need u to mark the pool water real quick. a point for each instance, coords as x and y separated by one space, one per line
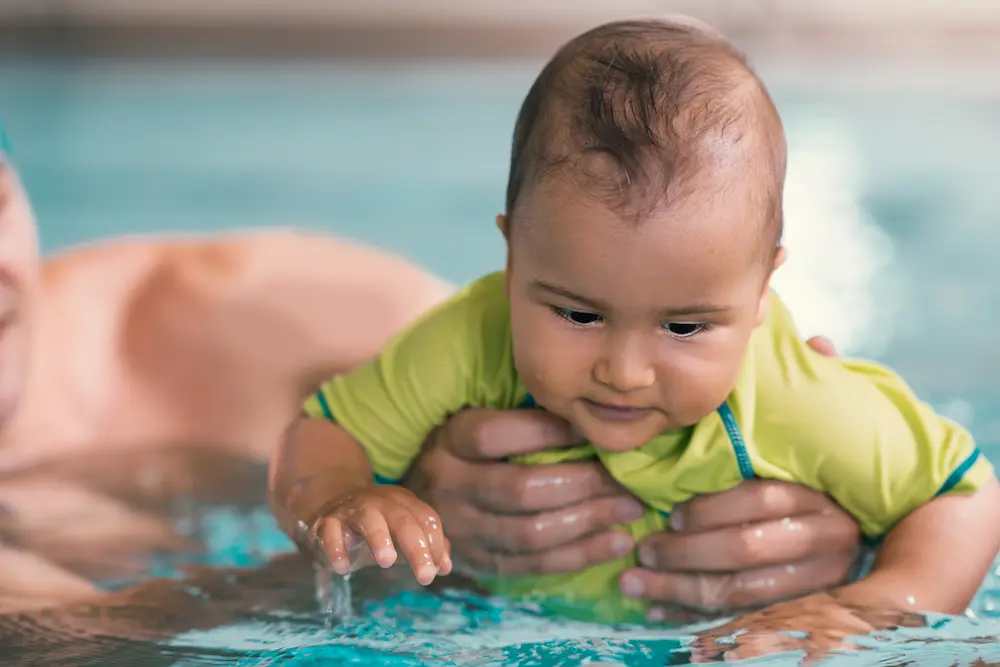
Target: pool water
891 209
252 603
244 599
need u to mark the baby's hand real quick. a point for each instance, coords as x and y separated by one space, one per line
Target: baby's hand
382 515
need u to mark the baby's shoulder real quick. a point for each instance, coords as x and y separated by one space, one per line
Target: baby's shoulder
480 308
473 326
801 395
782 361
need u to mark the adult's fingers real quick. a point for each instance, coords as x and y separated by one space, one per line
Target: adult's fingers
462 464
503 487
823 345
481 434
747 546
751 501
521 533
573 557
718 593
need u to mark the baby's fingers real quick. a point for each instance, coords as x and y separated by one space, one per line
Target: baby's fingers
331 541
414 543
370 524
438 543
445 565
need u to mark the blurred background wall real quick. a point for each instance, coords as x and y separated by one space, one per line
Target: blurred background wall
513 27
389 121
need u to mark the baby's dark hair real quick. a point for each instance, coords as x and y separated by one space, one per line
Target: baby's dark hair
638 109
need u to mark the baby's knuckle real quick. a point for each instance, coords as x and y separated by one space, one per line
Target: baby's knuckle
333 512
344 510
397 515
366 513
427 514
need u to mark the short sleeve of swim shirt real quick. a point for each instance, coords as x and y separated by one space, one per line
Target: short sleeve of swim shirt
855 430
457 355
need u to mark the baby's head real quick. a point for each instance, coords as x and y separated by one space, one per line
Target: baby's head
643 223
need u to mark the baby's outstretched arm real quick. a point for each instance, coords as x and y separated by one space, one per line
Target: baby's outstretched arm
934 559
324 496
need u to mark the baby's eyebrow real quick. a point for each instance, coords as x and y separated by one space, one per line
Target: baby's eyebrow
596 304
690 310
695 309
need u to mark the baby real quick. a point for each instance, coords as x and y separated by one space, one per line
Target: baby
643 223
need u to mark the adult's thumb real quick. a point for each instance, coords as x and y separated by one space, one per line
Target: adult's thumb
483 434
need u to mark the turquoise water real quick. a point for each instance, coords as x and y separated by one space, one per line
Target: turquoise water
892 226
265 613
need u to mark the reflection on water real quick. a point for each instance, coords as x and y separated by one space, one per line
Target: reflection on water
112 517
211 581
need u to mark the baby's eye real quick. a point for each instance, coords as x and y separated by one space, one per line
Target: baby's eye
684 329
580 318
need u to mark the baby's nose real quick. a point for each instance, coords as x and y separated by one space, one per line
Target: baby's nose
625 369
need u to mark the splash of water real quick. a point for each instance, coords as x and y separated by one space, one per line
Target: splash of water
333 593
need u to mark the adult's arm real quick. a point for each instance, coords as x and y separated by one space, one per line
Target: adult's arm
260 320
316 305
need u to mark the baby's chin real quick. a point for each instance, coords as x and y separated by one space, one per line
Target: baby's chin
616 439
606 437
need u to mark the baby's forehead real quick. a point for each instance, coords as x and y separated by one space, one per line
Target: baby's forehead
677 251
711 193
712 215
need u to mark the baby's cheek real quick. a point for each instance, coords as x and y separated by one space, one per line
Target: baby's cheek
695 387
548 366
531 362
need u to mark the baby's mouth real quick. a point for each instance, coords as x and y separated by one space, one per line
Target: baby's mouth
612 412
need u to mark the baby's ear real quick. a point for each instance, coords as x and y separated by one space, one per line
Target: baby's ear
764 306
502 224
780 256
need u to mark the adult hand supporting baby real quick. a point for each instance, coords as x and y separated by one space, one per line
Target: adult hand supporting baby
508 519
758 543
